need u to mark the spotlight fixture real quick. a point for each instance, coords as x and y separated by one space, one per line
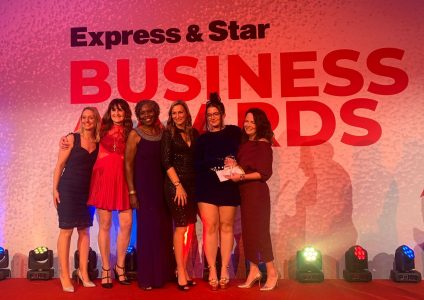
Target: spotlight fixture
404 266
92 270
4 263
40 264
131 263
309 265
356 259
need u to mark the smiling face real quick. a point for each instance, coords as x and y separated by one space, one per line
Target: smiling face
117 115
88 120
214 118
179 116
250 126
147 115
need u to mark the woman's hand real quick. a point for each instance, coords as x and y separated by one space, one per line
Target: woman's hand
234 177
64 144
134 201
56 199
180 195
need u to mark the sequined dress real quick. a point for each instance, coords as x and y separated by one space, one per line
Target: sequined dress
176 153
108 188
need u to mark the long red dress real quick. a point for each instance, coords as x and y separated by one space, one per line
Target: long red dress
255 207
108 187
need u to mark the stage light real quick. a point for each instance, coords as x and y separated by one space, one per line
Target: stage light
40 264
92 270
131 263
309 265
4 263
356 259
404 266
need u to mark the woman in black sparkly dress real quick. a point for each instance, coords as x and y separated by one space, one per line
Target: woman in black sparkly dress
177 158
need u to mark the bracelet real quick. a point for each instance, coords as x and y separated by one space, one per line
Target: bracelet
132 192
241 177
176 183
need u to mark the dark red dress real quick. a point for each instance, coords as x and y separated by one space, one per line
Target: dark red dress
255 207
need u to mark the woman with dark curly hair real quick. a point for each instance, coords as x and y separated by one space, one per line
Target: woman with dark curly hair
145 179
255 158
108 189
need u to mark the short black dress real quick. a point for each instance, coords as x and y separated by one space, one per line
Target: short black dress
210 152
73 187
176 153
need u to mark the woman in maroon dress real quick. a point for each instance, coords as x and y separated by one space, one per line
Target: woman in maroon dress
255 158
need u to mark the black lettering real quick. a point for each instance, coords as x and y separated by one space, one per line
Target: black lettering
141 37
173 35
112 38
76 35
233 30
221 33
125 35
96 38
157 36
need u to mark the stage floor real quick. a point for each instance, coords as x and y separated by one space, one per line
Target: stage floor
287 289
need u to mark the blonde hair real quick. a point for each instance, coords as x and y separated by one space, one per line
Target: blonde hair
98 121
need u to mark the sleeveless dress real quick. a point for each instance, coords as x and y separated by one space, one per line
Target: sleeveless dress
255 207
108 189
211 150
73 187
176 153
155 259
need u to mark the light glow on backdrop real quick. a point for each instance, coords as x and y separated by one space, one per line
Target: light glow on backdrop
344 81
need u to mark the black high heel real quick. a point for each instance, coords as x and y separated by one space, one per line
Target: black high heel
125 281
182 287
107 284
191 283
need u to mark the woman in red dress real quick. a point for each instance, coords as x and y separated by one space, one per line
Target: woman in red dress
255 158
108 189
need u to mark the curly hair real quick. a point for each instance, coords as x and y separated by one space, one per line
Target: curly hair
263 126
107 119
188 126
140 104
215 101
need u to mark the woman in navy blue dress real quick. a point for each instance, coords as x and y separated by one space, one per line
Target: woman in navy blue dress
71 183
217 201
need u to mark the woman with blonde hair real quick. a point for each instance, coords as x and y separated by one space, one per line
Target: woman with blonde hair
71 182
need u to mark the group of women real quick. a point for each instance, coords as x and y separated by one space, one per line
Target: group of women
169 175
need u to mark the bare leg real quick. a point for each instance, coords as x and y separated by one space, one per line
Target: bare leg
125 222
105 220
83 247
63 244
226 229
210 219
179 254
189 233
272 275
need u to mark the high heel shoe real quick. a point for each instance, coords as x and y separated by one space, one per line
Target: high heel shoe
213 282
88 283
125 281
191 283
108 284
223 281
67 289
267 288
248 285
183 287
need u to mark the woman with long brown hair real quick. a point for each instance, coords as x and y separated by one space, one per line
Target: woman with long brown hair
109 191
178 143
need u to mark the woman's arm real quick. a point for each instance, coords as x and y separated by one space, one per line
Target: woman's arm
130 151
60 165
